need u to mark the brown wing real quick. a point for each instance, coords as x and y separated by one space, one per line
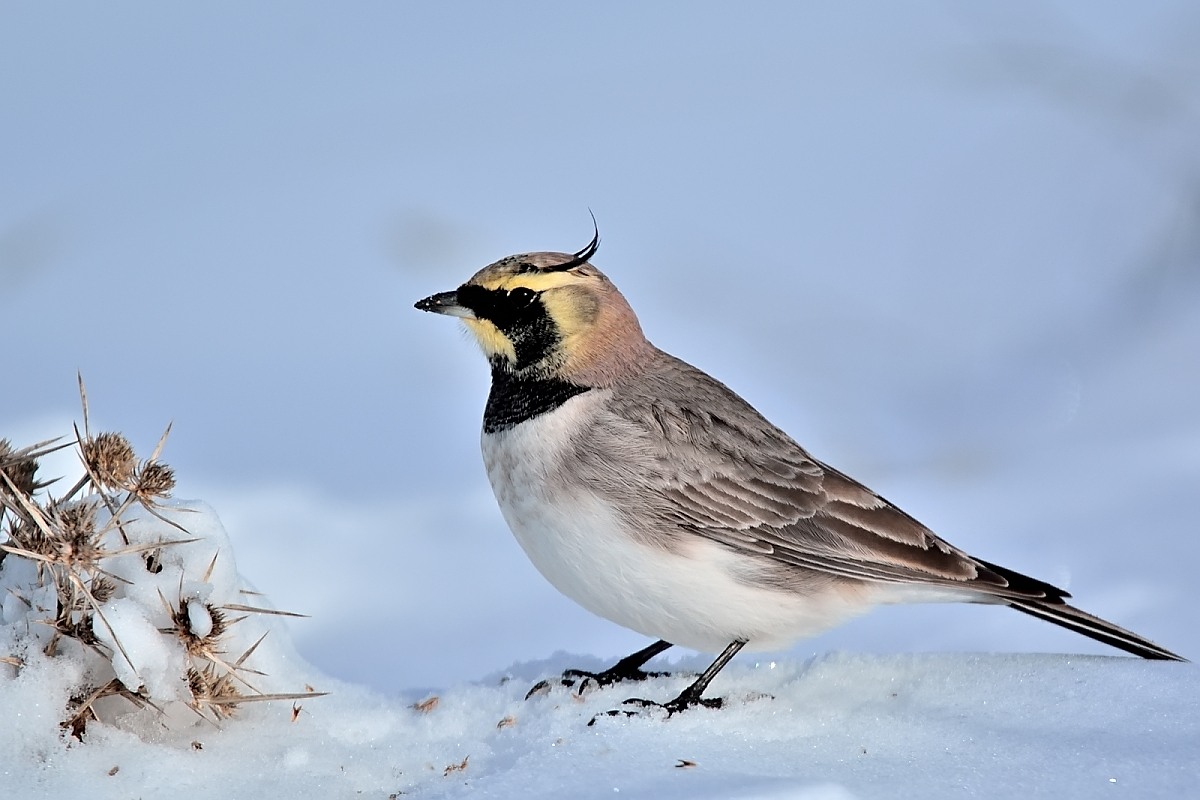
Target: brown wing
718 469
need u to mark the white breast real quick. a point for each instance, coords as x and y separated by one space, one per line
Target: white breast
687 596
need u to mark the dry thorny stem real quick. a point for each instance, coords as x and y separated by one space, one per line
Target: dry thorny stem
67 544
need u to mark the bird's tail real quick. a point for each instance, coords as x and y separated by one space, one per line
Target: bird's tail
1044 601
1070 617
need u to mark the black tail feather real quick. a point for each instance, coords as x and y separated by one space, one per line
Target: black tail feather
1072 618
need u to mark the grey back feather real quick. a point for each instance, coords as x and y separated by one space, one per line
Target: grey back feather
705 463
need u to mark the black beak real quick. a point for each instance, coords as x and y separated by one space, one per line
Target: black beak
445 303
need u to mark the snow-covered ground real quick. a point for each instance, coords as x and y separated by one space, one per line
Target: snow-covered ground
838 726
952 248
832 726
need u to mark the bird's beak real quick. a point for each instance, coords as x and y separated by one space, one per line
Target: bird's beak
445 303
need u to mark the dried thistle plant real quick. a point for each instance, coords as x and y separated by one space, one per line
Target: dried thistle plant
74 542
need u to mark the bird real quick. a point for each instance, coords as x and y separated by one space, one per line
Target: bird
654 496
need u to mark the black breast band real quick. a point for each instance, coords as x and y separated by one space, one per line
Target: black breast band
514 400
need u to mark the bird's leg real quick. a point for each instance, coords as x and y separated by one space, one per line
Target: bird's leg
692 695
628 668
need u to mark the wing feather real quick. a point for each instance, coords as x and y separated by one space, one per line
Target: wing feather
717 469
681 450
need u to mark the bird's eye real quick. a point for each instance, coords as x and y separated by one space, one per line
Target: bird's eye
522 295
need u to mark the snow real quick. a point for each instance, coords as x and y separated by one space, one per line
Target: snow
141 658
199 618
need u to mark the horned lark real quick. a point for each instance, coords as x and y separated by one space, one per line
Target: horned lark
652 495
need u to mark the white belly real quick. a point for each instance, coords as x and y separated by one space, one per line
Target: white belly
688 596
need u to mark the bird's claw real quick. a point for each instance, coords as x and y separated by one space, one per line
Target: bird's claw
584 681
681 703
607 678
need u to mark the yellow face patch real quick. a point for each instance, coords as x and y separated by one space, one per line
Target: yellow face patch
491 340
511 324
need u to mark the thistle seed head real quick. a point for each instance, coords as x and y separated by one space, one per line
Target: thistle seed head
75 540
154 480
20 469
212 691
110 460
102 589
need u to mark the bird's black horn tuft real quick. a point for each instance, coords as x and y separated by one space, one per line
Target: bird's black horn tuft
582 256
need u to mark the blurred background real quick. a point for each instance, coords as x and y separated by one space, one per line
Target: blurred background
953 248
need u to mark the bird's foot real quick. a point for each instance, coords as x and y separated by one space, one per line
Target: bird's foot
628 668
598 680
584 681
688 699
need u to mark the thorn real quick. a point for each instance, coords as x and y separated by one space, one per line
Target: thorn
256 610
208 572
162 441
